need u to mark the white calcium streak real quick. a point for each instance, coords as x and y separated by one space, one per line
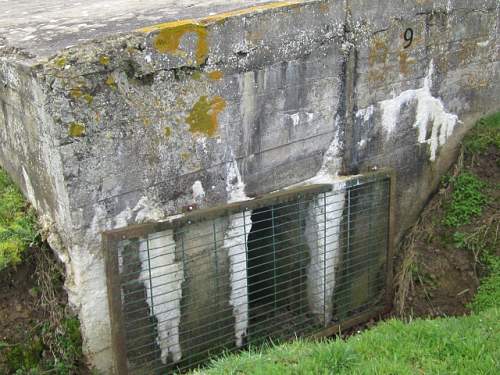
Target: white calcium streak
166 277
430 111
322 232
235 241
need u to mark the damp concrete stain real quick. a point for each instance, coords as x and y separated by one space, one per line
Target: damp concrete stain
168 39
76 129
203 116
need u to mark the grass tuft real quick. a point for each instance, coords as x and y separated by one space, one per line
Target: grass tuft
18 227
467 199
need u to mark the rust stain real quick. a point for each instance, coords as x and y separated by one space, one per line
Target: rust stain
405 62
203 117
378 52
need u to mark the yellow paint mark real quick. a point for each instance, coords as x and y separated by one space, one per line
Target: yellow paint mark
104 60
167 131
203 116
76 129
216 18
215 75
221 17
110 81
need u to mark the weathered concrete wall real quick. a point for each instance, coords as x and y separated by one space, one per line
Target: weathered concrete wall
133 127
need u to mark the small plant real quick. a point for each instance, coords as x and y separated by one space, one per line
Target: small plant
488 294
467 199
17 223
486 133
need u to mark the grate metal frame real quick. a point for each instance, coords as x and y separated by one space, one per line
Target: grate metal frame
112 239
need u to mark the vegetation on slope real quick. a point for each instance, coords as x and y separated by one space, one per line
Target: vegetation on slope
17 223
38 333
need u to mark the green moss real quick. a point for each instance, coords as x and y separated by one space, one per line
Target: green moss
17 223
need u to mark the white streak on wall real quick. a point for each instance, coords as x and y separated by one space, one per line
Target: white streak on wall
165 289
430 111
198 191
365 113
235 241
324 245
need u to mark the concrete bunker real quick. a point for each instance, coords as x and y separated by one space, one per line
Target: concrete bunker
287 264
117 116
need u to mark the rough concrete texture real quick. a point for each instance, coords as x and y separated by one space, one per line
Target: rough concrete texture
103 126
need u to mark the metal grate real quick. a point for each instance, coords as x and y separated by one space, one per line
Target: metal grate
290 264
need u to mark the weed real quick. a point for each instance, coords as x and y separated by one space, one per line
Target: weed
17 223
467 199
488 294
486 133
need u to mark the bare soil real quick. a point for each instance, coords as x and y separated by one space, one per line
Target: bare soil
443 277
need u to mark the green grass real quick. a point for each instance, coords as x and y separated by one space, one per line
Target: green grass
36 355
486 133
488 294
17 223
466 345
467 199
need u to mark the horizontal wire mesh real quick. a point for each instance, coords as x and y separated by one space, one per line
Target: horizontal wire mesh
280 271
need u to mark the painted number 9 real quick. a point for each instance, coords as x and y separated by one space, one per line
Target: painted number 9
408 37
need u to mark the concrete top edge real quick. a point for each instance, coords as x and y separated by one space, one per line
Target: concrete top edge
42 28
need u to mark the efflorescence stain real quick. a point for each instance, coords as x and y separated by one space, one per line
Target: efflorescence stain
203 117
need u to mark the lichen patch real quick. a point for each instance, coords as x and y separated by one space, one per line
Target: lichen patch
203 117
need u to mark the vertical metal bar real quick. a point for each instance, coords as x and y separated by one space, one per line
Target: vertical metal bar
348 302
216 261
299 250
246 248
274 257
324 260
150 278
349 220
